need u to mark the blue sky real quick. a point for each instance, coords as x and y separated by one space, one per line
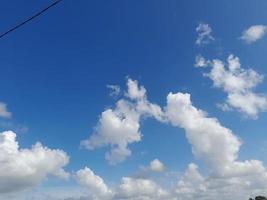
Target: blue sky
55 71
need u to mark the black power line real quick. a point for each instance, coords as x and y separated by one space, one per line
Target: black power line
29 19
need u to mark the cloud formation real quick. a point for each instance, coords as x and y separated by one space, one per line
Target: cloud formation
23 168
120 126
129 188
254 33
200 61
156 165
217 146
140 189
193 185
238 83
114 90
204 35
4 113
93 183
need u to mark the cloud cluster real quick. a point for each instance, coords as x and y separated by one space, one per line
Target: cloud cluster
238 83
129 188
204 35
120 126
193 185
214 144
254 33
23 168
211 142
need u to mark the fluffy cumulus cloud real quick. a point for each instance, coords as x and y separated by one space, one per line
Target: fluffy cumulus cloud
23 168
218 147
212 143
117 128
129 188
239 84
140 189
156 166
204 35
254 33
94 183
193 185
120 126
4 113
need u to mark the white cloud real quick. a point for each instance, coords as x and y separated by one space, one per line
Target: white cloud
193 185
156 165
129 188
114 90
204 34
22 168
254 33
216 145
239 84
119 127
140 189
142 106
249 103
134 91
212 143
3 111
95 184
200 61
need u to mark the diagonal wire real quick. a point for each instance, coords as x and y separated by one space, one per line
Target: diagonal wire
29 19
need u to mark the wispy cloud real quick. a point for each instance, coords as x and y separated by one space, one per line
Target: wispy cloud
254 33
204 34
238 83
4 113
114 90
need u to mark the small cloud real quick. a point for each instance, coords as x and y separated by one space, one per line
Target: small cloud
254 33
114 90
156 166
204 34
200 61
4 113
